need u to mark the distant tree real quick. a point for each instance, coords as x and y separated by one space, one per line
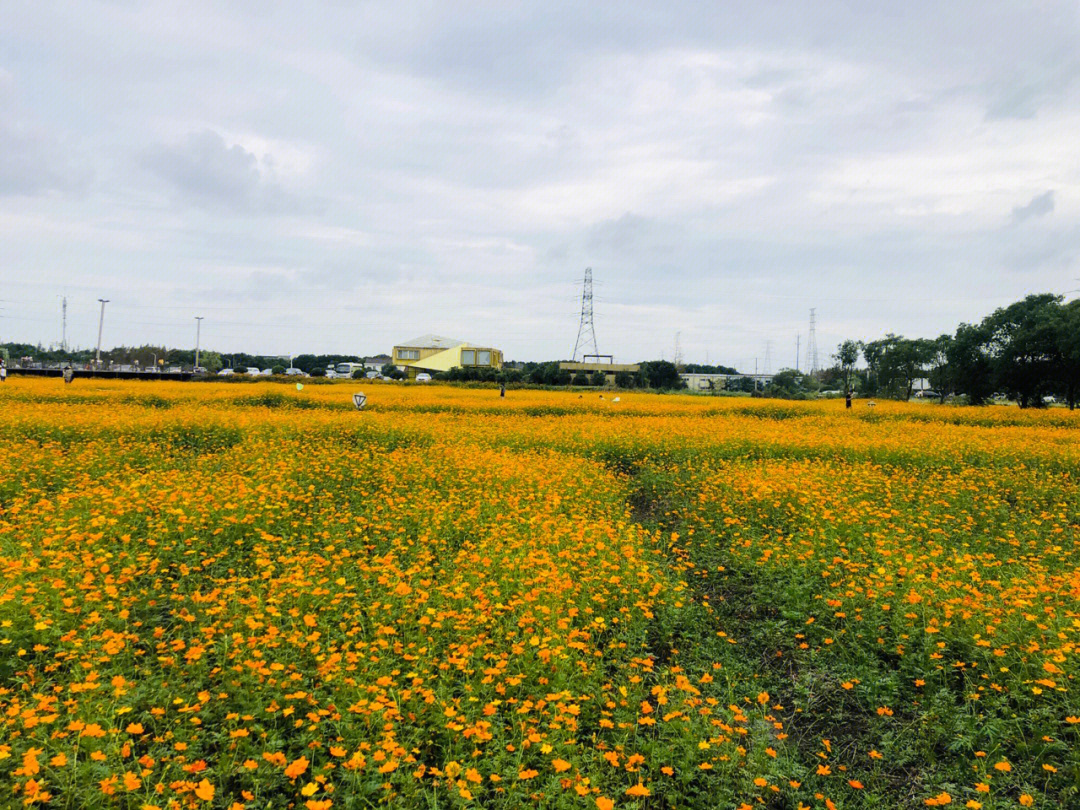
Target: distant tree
392 372
1068 329
748 385
549 374
580 378
661 375
278 369
1023 340
970 367
698 368
624 379
211 361
317 372
787 384
847 355
937 368
599 379
359 374
895 363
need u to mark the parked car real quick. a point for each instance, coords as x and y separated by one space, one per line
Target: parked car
295 372
226 372
927 394
253 372
373 375
423 376
199 370
266 372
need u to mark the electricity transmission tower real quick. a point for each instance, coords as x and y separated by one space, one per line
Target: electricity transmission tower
811 343
63 331
101 325
586 334
678 351
768 356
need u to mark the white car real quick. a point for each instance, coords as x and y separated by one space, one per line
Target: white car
294 372
266 372
423 376
253 372
226 372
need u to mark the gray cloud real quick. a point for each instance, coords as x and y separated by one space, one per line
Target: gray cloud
30 164
1039 206
1023 97
629 234
34 158
204 170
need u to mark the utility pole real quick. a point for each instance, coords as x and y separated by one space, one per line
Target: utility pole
101 324
63 330
678 351
811 343
198 329
798 342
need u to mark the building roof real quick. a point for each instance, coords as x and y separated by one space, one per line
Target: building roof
431 342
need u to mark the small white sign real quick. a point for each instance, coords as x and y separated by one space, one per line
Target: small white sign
359 400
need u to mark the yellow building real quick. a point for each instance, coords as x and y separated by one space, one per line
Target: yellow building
432 353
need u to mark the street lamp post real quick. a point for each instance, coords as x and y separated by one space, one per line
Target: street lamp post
101 324
198 329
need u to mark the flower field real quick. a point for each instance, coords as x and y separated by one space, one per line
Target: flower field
246 596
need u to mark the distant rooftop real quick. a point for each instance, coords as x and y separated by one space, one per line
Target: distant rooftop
431 342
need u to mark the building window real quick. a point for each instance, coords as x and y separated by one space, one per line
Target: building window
468 357
483 357
408 354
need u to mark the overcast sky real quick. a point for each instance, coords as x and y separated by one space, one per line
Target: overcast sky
341 176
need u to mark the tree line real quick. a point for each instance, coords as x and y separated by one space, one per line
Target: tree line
654 374
1028 351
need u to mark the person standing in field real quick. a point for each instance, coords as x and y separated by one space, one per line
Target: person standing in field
69 374
3 371
847 399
